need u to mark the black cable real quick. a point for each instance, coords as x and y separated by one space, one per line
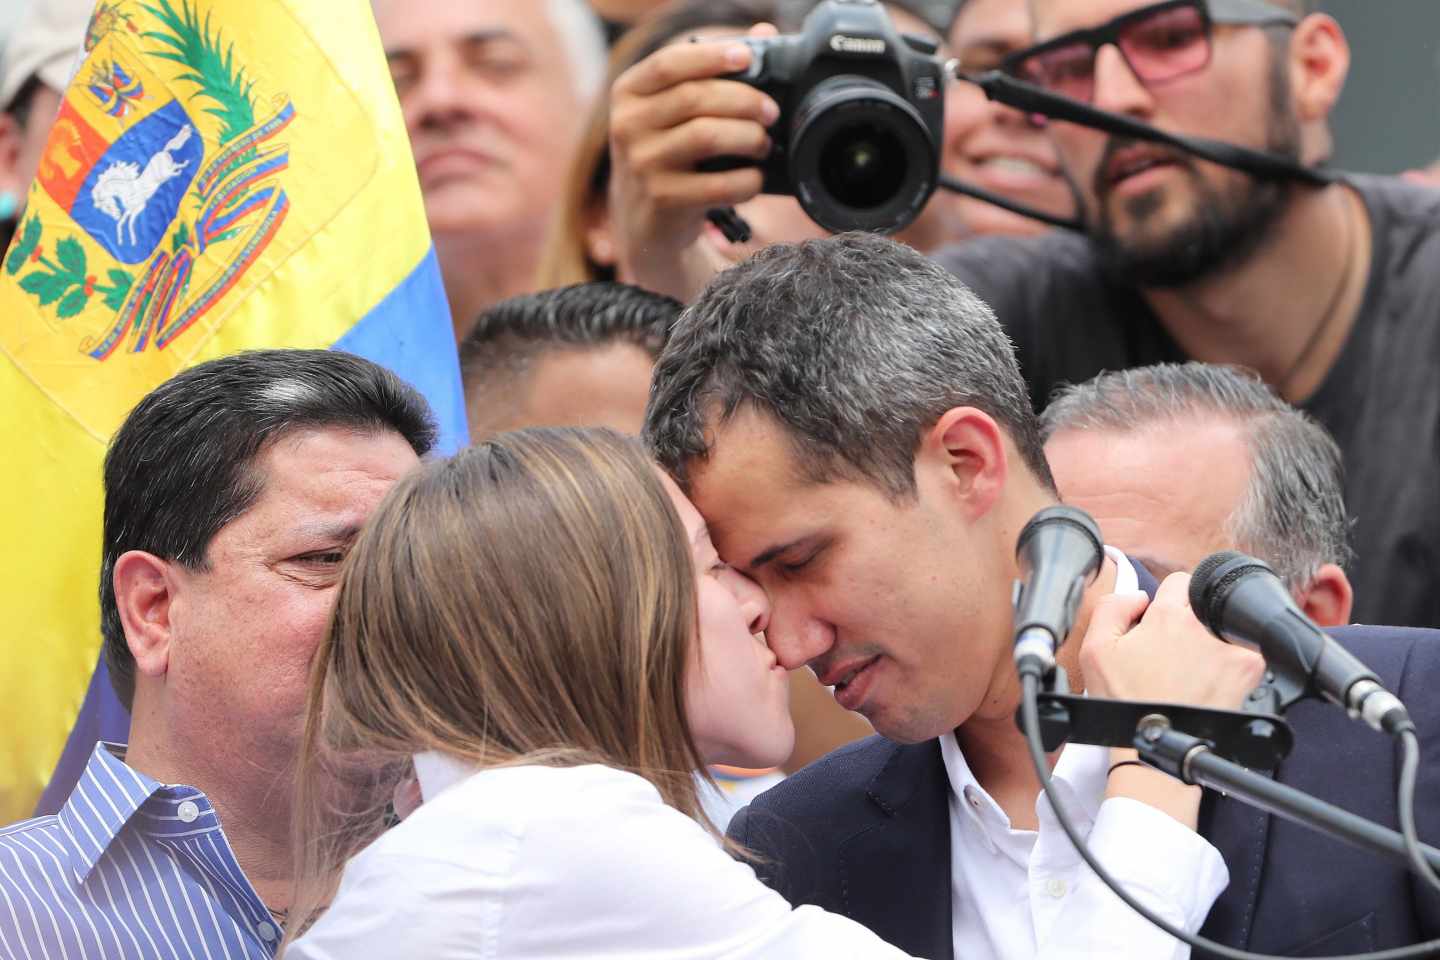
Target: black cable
1029 98
1409 772
1030 719
1005 203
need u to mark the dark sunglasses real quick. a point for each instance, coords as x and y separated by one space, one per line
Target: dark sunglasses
1159 42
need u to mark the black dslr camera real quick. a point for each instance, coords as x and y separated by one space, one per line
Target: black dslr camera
861 115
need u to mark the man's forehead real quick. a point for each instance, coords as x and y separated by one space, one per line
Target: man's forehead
410 26
746 478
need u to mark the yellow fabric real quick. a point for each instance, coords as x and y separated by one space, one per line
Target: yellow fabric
290 227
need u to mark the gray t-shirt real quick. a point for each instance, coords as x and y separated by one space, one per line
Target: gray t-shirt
1381 400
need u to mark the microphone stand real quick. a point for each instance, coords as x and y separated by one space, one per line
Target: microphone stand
1256 739
1193 761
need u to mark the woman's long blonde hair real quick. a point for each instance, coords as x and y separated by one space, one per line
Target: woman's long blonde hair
529 601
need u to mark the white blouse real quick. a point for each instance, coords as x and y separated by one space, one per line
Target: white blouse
530 862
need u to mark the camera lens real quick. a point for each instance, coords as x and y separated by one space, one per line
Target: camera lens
863 166
861 156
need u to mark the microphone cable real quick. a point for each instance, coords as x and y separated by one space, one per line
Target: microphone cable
1030 720
1409 774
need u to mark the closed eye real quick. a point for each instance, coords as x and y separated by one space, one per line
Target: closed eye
795 566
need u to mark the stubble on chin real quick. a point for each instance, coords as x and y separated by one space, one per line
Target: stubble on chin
1219 228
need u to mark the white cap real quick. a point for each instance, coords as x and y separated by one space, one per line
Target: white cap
45 43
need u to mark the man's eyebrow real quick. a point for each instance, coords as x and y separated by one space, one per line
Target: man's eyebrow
335 531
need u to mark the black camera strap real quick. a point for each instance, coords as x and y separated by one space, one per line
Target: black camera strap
1028 98
1005 203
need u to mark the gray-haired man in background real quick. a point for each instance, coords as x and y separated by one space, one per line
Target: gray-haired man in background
1176 461
495 96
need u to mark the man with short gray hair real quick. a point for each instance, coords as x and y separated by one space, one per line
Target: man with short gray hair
495 96
1176 461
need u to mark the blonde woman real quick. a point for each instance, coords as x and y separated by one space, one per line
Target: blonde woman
543 624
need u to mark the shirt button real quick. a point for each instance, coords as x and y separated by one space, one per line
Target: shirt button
1056 887
267 930
187 811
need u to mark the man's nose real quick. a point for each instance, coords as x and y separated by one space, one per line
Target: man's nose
439 96
1117 88
796 637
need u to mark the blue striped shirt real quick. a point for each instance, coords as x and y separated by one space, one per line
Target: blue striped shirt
128 868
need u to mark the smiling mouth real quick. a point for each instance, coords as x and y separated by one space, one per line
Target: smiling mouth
1021 166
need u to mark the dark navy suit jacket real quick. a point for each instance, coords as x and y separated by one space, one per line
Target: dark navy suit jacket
865 831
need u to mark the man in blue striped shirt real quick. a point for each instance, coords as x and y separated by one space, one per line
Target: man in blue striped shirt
232 493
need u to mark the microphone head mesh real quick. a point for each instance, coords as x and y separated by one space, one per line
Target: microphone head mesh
1212 580
1073 516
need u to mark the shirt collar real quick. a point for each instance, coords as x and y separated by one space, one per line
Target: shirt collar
1126 579
1081 772
438 772
112 796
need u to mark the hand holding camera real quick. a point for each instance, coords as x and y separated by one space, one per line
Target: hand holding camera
668 113
862 112
845 115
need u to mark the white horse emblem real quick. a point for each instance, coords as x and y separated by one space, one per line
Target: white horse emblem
123 189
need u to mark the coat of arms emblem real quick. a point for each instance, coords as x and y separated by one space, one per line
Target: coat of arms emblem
171 180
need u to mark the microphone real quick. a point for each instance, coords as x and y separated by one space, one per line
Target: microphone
1059 552
1240 599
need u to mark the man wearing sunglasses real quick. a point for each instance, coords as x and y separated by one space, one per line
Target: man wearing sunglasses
1327 291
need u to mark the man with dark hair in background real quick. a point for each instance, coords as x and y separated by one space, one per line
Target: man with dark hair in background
1328 292
1177 461
852 424
577 356
232 493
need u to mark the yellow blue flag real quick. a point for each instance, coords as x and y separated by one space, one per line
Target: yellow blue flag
221 176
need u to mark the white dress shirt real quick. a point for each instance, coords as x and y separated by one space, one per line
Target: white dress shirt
589 862
529 862
1014 891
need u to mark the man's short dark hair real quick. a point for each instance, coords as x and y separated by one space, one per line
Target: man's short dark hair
500 352
183 464
855 344
1293 514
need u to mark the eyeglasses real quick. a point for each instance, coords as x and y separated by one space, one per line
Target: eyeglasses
1159 42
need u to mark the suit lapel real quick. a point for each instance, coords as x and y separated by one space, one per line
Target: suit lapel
895 873
1239 831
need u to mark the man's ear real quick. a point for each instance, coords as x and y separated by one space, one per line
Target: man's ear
1328 597
967 447
1319 64
599 238
144 593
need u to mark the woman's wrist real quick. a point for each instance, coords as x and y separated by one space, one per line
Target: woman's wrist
1132 778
